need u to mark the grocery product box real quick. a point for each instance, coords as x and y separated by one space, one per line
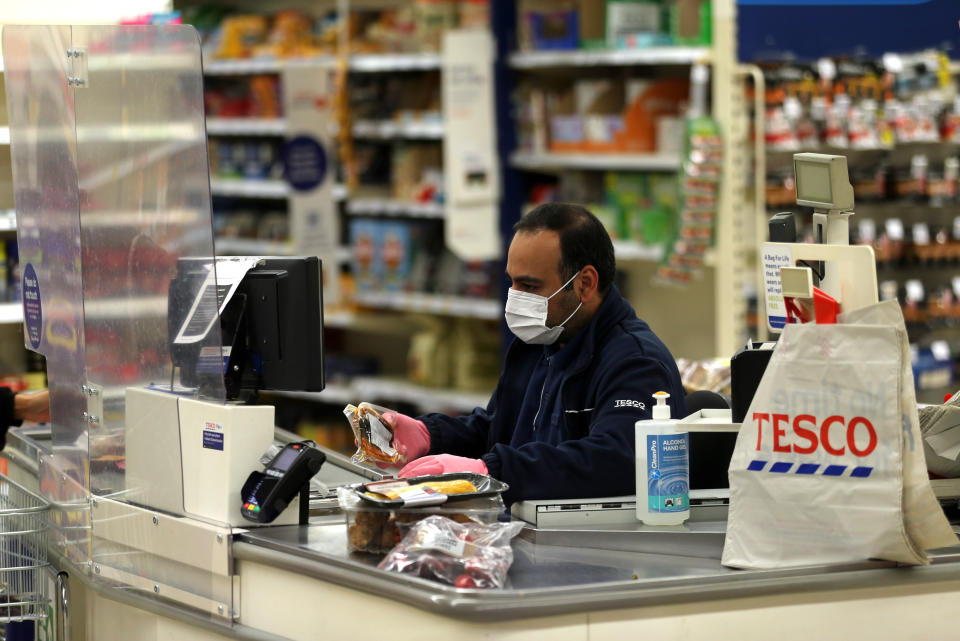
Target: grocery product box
396 251
365 253
560 24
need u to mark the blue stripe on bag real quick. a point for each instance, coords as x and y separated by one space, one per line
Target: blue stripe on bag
783 467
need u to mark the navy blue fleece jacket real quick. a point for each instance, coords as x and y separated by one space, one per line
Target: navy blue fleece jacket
560 423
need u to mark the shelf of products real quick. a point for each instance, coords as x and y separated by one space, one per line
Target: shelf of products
898 122
599 161
464 306
610 57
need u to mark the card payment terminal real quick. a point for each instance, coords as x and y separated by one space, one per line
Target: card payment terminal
266 494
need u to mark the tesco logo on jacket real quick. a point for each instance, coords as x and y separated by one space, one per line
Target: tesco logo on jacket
805 434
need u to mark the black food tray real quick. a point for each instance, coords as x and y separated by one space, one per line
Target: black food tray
486 486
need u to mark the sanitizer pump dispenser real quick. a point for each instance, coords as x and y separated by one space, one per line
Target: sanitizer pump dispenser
663 468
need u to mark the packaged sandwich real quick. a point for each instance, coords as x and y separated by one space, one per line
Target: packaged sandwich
372 432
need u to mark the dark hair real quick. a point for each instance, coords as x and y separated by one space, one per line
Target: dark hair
583 239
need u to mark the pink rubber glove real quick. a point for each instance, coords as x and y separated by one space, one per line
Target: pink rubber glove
443 464
410 436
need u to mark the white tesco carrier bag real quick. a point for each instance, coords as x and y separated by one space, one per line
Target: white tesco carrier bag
829 465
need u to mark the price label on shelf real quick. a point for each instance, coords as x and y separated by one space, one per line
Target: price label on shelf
940 350
915 293
921 234
956 286
868 231
894 227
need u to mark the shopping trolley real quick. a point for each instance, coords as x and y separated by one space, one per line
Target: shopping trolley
24 588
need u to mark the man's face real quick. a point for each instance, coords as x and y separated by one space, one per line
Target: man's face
533 264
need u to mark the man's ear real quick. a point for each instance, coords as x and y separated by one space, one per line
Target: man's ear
589 283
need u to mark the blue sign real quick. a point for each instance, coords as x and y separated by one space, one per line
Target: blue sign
32 307
805 30
304 163
213 440
783 3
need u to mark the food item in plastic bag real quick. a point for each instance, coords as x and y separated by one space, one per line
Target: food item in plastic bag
463 555
373 434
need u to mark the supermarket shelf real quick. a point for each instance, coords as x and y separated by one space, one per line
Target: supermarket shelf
261 188
624 250
389 207
395 62
364 64
376 388
627 162
251 247
256 247
338 320
8 220
262 65
11 313
120 219
432 304
4 135
249 187
119 308
607 58
386 129
246 126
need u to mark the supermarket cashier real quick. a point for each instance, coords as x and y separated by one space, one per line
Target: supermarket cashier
579 374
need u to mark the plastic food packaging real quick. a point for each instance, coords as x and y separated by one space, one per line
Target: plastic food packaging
375 529
462 555
373 434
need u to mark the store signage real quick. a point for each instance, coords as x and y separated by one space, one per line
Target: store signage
470 164
773 260
313 215
32 307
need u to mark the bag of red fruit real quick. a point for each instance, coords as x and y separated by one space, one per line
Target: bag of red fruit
465 555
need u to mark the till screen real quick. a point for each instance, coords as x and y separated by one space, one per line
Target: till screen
813 183
286 457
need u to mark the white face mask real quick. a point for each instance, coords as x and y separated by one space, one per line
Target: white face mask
527 316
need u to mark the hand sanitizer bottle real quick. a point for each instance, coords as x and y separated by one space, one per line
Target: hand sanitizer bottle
663 469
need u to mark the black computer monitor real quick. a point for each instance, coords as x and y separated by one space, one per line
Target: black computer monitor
271 329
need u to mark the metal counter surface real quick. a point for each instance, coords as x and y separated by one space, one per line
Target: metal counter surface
576 570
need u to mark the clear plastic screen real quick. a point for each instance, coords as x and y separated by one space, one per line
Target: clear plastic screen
41 108
144 206
112 194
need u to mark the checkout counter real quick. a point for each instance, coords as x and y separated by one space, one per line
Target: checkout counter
575 582
112 193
